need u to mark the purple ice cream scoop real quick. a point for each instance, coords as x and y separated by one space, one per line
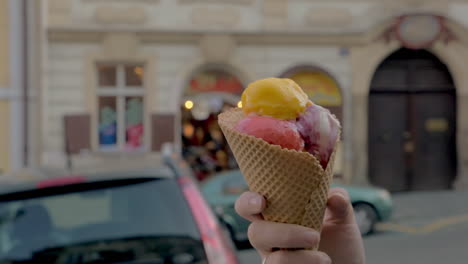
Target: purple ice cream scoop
320 130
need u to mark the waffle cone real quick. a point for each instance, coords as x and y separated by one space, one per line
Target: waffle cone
294 183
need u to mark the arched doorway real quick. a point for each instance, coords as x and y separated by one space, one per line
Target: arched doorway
209 91
412 123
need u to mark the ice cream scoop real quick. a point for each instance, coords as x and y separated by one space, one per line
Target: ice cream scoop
320 130
274 131
279 98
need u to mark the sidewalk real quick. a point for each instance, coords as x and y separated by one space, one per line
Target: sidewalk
419 211
426 228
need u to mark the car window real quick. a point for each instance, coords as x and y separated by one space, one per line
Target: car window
152 209
66 211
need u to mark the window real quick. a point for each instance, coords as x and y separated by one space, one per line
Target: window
120 95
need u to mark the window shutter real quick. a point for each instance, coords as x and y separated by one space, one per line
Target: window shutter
162 129
77 130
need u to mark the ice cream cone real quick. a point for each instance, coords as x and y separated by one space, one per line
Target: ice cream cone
294 183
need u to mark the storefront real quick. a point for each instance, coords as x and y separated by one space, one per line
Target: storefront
209 91
213 88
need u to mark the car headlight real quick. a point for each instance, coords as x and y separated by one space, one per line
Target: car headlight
385 195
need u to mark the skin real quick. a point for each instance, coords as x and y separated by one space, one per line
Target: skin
340 240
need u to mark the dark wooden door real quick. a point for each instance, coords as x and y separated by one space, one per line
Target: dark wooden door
387 160
434 156
412 123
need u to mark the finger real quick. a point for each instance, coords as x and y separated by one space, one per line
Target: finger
250 205
339 207
298 257
266 236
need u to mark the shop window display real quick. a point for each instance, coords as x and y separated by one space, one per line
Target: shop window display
204 146
120 95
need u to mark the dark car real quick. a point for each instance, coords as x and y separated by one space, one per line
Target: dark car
150 216
371 204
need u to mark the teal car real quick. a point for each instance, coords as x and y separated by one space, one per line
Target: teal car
371 205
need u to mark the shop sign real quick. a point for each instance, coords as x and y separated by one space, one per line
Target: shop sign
215 81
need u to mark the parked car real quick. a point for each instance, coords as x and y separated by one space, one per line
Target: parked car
150 216
371 204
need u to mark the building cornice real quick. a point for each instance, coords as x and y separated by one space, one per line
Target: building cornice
263 37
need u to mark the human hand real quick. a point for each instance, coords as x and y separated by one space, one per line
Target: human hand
340 239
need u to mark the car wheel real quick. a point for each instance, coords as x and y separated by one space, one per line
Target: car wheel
366 218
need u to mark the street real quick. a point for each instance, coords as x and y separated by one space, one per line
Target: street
427 228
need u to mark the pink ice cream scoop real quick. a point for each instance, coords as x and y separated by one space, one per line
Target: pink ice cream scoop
320 130
274 131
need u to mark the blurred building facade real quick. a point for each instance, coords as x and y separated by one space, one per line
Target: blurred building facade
4 81
13 81
122 77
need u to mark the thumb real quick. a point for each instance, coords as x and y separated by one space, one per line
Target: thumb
339 208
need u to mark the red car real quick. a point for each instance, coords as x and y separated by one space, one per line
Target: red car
151 216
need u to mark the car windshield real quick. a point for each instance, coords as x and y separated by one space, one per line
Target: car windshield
125 221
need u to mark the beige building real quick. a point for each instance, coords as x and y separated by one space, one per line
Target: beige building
128 71
13 82
4 81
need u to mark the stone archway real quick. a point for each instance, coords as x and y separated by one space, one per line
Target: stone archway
365 59
209 89
412 123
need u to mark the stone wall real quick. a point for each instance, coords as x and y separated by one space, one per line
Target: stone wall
161 14
174 64
243 15
4 91
64 93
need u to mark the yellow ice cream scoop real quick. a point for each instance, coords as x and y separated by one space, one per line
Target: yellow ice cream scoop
275 97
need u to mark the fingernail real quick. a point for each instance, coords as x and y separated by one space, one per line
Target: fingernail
255 201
